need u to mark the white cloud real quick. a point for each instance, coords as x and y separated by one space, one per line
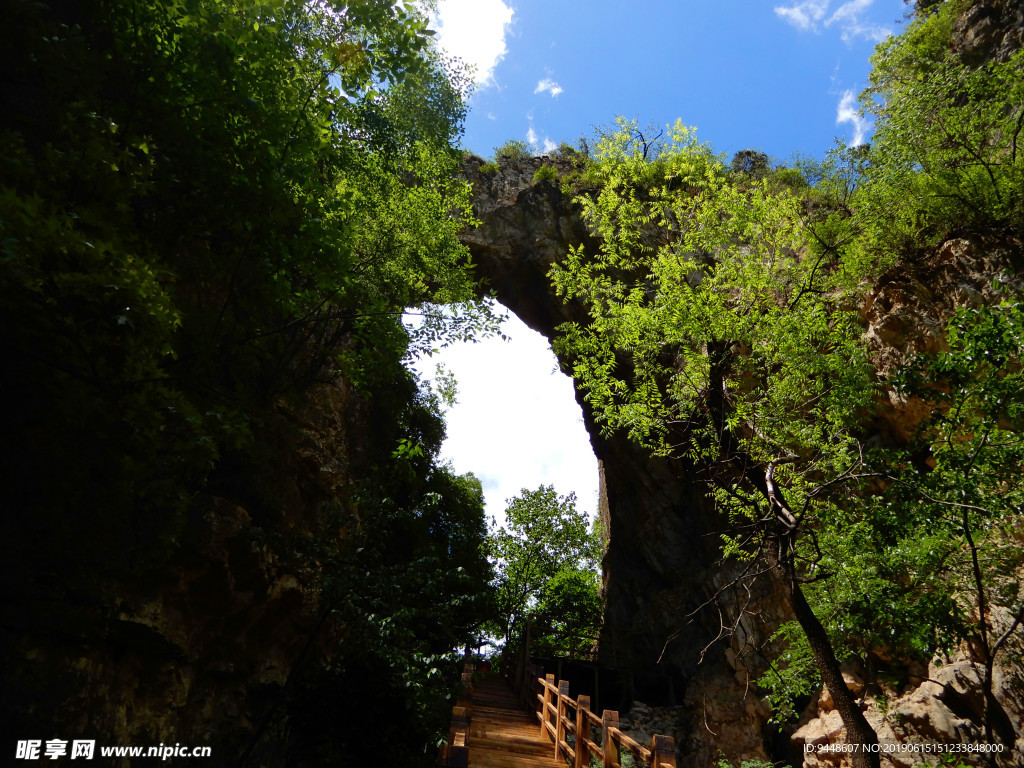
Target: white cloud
537 144
516 423
847 112
810 15
805 15
474 31
549 85
848 16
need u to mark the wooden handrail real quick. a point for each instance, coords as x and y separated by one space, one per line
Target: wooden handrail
455 753
553 705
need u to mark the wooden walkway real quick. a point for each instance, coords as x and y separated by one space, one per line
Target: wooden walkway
501 734
490 728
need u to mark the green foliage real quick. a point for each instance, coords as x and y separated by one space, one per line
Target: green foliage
205 210
568 150
949 761
792 676
512 151
710 275
890 590
720 334
945 157
970 451
544 559
489 169
177 255
567 615
446 386
625 155
404 599
790 178
724 763
750 163
546 173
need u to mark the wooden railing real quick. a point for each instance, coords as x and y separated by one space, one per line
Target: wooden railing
455 753
553 711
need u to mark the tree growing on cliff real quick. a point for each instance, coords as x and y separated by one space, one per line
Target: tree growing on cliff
947 156
721 334
968 488
717 338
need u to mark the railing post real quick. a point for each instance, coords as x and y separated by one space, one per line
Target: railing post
529 691
663 752
582 732
609 720
465 694
535 689
455 754
544 706
563 695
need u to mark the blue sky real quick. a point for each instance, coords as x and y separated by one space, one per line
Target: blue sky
781 78
747 73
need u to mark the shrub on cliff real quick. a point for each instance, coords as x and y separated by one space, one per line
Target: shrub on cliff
512 151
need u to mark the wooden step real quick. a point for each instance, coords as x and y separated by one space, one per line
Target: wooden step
501 734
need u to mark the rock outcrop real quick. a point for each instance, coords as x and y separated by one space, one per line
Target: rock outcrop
661 544
990 30
661 570
913 708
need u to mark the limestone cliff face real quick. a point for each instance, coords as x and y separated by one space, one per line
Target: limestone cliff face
989 30
661 563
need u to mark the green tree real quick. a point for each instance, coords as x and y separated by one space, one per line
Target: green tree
406 596
566 619
545 538
927 552
223 204
206 208
946 158
929 524
512 151
714 340
721 334
966 480
750 163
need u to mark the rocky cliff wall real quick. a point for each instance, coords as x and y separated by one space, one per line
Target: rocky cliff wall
661 569
661 547
201 649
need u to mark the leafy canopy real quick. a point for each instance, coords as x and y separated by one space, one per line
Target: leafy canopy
722 332
226 203
207 208
703 306
545 556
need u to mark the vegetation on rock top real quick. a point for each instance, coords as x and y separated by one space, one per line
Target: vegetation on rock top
724 332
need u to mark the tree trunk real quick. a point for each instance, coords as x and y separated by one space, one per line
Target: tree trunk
779 540
858 731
